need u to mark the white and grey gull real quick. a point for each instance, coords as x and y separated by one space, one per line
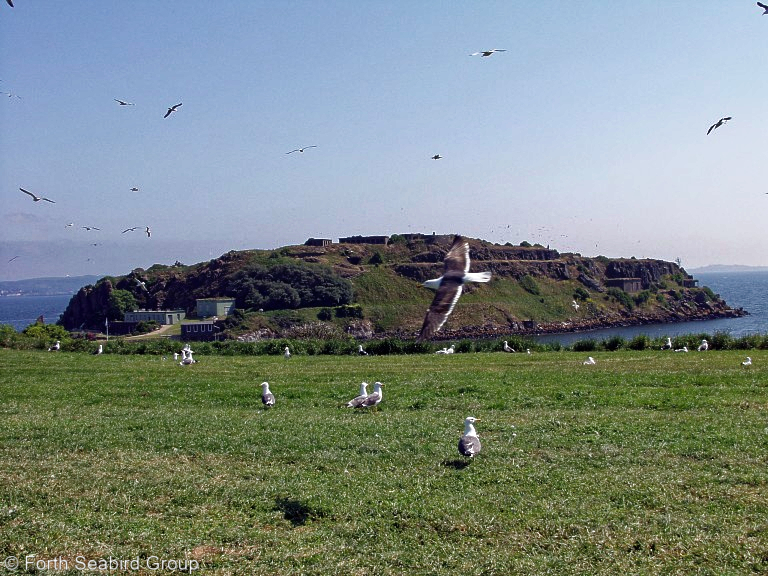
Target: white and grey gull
469 443
449 286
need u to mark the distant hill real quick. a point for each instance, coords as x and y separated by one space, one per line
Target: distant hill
366 288
726 268
46 286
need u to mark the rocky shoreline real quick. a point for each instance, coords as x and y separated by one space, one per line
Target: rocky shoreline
585 325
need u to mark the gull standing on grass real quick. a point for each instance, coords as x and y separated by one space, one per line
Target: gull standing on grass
374 398
747 362
469 443
358 400
267 398
667 345
449 286
287 353
704 346
507 347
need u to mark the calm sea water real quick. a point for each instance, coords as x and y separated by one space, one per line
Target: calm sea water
746 289
21 311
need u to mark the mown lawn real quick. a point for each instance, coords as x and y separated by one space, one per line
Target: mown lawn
646 463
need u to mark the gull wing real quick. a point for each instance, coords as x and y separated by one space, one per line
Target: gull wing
457 259
442 305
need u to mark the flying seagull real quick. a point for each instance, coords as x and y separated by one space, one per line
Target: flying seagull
374 397
12 259
36 198
88 228
134 189
436 157
123 102
148 231
267 398
357 400
486 53
469 443
130 229
449 286
763 6
718 124
172 109
300 149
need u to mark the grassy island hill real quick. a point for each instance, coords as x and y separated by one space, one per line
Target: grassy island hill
364 287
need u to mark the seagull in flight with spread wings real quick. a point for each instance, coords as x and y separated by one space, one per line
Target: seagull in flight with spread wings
301 149
123 102
718 124
449 286
486 53
171 110
764 7
36 198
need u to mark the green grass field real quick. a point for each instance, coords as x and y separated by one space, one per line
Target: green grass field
646 463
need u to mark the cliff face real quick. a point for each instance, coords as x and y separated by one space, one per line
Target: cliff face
533 288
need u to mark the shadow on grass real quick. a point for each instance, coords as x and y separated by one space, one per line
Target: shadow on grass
297 512
456 464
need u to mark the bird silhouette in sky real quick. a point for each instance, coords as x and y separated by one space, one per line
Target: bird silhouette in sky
436 157
718 124
134 189
764 7
123 102
486 53
171 110
36 198
300 149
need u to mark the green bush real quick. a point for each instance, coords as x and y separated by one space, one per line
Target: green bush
585 345
622 297
528 284
614 343
639 342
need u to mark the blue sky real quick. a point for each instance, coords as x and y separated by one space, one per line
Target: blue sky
588 134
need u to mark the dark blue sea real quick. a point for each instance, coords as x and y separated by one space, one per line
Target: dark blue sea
748 290
21 311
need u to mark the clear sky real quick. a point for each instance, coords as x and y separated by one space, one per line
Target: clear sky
588 134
